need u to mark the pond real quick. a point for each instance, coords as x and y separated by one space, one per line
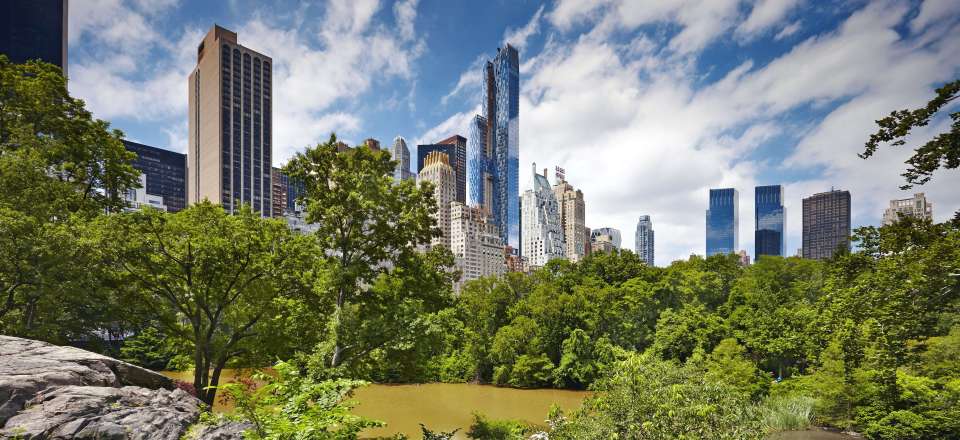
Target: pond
439 406
448 406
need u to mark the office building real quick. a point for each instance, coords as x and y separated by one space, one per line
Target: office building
602 243
917 207
401 154
35 30
643 240
455 147
475 242
437 170
612 233
723 221
230 125
372 144
826 224
770 221
164 172
138 198
494 170
281 185
542 231
572 217
744 258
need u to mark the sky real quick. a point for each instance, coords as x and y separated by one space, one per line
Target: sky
645 104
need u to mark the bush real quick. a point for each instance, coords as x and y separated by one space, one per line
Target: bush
486 429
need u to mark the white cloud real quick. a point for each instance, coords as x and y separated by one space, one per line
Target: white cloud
763 15
788 30
639 133
518 37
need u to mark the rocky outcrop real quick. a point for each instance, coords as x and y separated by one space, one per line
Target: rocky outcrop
48 391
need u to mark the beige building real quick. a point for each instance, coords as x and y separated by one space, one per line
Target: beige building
476 243
230 124
602 243
572 217
916 206
437 170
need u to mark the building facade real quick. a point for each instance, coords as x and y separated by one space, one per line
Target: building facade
826 224
280 188
230 125
164 171
770 219
643 240
401 154
455 147
475 242
613 233
437 170
917 207
572 217
494 164
602 243
723 221
542 231
372 144
35 30
138 198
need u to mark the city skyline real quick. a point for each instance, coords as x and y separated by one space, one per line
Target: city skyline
627 95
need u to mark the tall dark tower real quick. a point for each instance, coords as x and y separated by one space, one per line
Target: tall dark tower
826 224
34 29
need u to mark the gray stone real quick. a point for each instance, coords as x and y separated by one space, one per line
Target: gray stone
226 430
90 412
47 391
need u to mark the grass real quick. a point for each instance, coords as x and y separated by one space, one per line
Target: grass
791 413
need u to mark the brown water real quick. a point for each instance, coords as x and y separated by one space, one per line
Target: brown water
447 406
439 406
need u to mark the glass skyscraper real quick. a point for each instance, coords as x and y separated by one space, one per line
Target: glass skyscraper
165 172
34 30
826 224
770 218
643 239
723 221
494 150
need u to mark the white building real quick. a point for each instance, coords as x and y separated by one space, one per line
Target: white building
916 206
476 243
437 170
401 154
137 198
643 239
541 229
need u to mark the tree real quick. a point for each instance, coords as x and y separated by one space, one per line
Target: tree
368 226
211 279
59 167
941 151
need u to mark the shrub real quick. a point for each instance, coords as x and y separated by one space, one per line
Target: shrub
787 413
486 429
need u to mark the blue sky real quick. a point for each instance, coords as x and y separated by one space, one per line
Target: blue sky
646 105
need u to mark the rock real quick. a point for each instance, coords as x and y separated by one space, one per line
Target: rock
226 430
92 412
47 391
28 367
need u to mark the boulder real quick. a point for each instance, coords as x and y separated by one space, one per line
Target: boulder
48 391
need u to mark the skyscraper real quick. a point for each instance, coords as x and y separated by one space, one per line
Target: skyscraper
770 219
643 241
826 224
401 154
613 233
475 242
572 216
542 231
230 123
437 170
280 188
916 207
494 172
164 172
35 30
723 221
455 147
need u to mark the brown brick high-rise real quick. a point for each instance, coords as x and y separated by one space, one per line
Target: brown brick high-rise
230 122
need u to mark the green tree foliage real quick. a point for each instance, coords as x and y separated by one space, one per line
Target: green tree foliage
289 405
941 151
647 398
368 231
59 167
488 429
211 279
